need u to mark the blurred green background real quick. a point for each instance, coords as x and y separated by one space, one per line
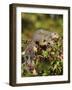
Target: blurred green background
34 21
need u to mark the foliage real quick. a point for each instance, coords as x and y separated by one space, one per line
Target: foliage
48 60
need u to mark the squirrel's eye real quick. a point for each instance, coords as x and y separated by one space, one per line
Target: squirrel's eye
37 42
48 42
44 40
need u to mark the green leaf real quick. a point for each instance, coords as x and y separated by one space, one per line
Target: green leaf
45 53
